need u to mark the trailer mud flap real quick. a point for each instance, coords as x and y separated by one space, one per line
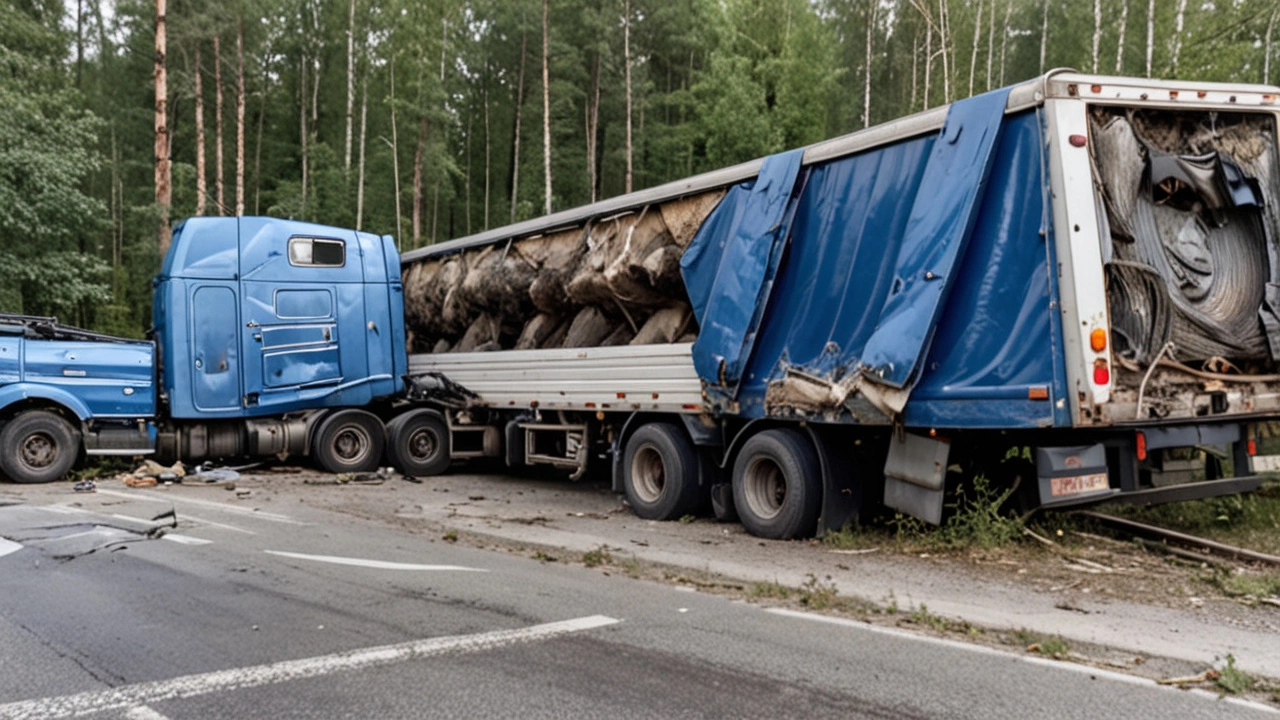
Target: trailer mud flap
942 219
730 267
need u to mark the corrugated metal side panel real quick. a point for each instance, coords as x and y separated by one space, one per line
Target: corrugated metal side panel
641 377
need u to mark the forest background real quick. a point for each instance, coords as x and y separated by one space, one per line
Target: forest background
434 119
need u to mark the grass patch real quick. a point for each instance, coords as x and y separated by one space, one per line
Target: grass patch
976 519
1052 646
1245 584
450 536
544 557
1232 679
921 616
597 557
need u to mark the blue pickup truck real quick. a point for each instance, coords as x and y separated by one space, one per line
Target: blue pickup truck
1069 286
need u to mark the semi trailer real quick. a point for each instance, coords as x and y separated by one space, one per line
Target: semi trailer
1068 286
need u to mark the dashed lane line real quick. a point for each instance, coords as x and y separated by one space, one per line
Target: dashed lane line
8 547
188 686
378 564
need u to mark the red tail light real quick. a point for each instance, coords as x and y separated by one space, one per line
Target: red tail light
1141 445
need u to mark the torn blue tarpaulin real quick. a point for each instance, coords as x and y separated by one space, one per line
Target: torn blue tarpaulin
730 266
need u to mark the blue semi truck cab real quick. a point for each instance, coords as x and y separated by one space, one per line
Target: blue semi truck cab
270 337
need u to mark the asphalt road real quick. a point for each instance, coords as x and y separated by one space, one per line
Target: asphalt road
245 614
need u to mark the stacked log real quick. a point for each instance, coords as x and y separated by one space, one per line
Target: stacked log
615 281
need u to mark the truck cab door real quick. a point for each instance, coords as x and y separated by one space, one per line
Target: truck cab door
296 285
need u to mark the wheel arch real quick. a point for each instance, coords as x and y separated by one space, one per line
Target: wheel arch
21 397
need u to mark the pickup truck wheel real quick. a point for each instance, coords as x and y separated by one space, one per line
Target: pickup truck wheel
418 444
349 441
777 485
660 472
38 447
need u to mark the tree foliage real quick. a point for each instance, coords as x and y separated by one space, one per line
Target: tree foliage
446 105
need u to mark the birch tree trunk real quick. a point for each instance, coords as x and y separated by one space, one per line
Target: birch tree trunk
515 139
488 147
866 77
915 65
928 62
219 180
1004 37
1124 24
239 117
302 124
626 54
546 107
202 184
1266 52
416 223
592 129
991 41
977 34
395 158
1177 37
351 80
1097 33
945 43
257 146
163 178
1044 33
1151 33
364 117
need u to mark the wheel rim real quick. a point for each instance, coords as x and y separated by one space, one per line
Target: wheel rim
38 451
648 474
422 445
764 488
351 444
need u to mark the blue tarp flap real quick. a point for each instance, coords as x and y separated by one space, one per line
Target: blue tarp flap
730 265
942 217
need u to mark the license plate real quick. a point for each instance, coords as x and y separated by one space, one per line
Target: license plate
1078 484
1265 463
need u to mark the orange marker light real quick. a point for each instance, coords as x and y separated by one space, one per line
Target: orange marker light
1098 339
1141 445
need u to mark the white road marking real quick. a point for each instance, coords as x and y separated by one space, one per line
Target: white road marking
1032 659
8 546
142 712
234 509
150 693
211 523
378 564
185 539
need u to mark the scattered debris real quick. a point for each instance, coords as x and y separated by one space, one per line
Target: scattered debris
152 473
860 551
1206 676
85 486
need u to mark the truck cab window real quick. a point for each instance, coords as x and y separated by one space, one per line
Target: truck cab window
315 252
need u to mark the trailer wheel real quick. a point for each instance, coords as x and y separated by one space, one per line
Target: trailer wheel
660 472
349 441
418 444
38 447
777 485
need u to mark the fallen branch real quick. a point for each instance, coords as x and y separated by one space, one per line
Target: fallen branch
1205 676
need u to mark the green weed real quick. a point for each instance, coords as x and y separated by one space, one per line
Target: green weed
1232 679
599 556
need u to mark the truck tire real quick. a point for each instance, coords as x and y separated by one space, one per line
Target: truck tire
418 444
349 441
777 485
660 472
38 446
